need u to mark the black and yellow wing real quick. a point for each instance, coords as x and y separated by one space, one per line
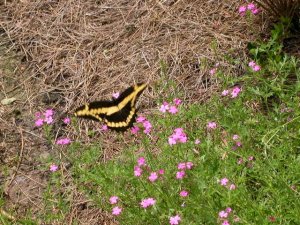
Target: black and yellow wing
118 114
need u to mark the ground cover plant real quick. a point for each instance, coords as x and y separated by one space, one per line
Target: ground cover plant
231 159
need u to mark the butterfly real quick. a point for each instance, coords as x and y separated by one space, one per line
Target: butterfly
118 114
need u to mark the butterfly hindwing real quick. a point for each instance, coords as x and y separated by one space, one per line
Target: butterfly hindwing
122 119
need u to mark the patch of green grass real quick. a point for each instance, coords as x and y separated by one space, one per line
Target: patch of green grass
261 165
248 164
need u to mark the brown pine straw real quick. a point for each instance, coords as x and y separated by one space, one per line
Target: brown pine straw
86 50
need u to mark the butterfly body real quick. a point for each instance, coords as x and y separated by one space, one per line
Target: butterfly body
118 114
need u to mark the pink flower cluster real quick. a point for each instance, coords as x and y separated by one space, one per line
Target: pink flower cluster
145 203
142 164
182 167
224 216
234 92
116 210
63 141
165 107
250 7
255 67
178 136
225 182
46 117
146 124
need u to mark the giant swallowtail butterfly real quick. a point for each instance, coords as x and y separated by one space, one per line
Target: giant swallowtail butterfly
118 114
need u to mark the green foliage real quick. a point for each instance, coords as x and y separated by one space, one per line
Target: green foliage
265 116
261 164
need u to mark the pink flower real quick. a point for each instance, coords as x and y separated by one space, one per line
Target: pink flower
116 95
228 210
235 92
134 129
153 176
151 201
66 120
212 71
242 10
251 6
255 11
137 171
171 140
140 119
116 211
232 187
147 124
177 101
212 125
49 112
223 214
250 158
183 193
147 130
104 128
238 144
256 68
225 93
63 141
164 107
179 131
182 139
48 120
224 181
180 175
113 199
225 222
175 220
181 166
252 64
53 168
189 165
197 141
145 203
161 171
235 137
39 122
177 136
141 161
173 110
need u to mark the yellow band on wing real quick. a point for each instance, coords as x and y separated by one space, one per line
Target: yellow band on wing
131 97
